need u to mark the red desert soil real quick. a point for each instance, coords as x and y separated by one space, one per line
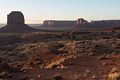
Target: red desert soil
80 68
59 55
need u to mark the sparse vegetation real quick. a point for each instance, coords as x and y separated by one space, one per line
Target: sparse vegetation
54 52
114 74
57 77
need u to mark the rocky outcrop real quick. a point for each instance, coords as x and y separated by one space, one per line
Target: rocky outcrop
15 17
16 23
81 22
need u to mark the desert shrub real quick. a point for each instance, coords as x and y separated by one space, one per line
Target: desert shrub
54 47
57 77
54 66
102 49
118 36
103 57
106 37
118 46
114 74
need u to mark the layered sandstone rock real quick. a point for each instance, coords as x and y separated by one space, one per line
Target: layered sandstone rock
16 23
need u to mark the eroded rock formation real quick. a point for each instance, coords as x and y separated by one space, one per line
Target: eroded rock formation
16 23
15 17
81 22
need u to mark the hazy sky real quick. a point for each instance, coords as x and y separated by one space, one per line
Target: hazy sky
36 11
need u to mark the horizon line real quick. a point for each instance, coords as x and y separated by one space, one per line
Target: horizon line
41 22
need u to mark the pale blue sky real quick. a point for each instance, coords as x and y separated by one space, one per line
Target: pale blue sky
36 11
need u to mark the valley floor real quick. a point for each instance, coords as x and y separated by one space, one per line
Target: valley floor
59 55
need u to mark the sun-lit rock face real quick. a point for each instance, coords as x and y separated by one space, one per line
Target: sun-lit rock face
15 17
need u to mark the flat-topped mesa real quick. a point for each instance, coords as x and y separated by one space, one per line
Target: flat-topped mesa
81 22
49 23
65 23
15 17
106 23
59 23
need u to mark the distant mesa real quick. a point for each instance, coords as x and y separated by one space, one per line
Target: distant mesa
84 25
65 23
16 23
58 23
49 23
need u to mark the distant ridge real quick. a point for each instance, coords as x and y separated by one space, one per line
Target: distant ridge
82 25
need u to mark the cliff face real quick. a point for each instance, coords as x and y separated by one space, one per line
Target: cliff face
16 23
15 17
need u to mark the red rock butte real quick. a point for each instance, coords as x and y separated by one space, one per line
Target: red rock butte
15 17
16 23
81 22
